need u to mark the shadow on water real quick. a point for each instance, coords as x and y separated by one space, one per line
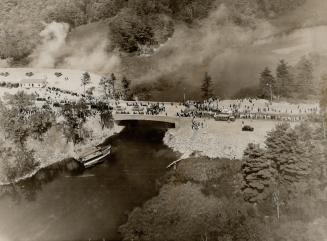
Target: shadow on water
89 203
29 187
140 131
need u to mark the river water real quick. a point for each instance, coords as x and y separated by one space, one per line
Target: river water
65 203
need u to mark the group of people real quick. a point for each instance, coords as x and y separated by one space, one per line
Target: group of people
196 124
249 109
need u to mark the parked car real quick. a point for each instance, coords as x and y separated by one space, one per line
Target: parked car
247 128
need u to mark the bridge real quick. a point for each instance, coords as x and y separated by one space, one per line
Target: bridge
155 118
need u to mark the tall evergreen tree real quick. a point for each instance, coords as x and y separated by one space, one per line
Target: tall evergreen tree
284 79
278 169
267 83
289 154
304 78
206 87
257 172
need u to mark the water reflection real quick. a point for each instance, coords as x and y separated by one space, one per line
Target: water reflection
67 202
29 188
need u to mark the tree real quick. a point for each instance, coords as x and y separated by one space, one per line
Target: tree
291 156
304 77
103 9
40 122
75 116
112 83
18 162
105 115
283 79
126 88
71 12
285 163
206 87
258 174
21 100
86 80
15 120
129 31
267 83
106 87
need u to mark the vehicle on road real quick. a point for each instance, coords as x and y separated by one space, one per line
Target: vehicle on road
224 117
247 128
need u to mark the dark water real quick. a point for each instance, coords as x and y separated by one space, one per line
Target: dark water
67 203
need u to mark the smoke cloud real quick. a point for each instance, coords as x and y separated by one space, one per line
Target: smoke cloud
233 54
214 45
53 41
87 51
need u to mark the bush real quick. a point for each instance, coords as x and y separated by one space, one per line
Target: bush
18 162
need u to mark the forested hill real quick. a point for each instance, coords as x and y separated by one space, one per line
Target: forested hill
133 23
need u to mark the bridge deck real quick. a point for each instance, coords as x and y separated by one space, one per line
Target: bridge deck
159 118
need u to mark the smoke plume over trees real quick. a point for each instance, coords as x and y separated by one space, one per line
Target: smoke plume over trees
176 40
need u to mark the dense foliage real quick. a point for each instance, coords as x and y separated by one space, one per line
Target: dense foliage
75 115
132 23
212 199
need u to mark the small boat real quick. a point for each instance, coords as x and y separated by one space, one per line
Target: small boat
93 156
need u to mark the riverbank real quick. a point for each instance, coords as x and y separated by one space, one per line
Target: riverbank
54 148
60 204
217 139
202 200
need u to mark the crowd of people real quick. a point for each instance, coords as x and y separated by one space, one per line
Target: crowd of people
249 109
212 108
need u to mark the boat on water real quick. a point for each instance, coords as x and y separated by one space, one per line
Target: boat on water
94 155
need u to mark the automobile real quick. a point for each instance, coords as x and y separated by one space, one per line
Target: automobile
232 118
222 117
247 128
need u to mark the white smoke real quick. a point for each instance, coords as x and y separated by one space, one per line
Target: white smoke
210 45
88 52
53 41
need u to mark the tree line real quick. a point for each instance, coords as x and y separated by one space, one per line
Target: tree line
288 81
276 192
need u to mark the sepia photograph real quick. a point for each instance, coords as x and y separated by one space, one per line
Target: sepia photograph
163 120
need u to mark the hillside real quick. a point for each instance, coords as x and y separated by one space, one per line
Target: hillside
160 41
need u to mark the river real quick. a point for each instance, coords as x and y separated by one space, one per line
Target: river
65 203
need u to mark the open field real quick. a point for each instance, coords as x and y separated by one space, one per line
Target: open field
69 80
217 138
